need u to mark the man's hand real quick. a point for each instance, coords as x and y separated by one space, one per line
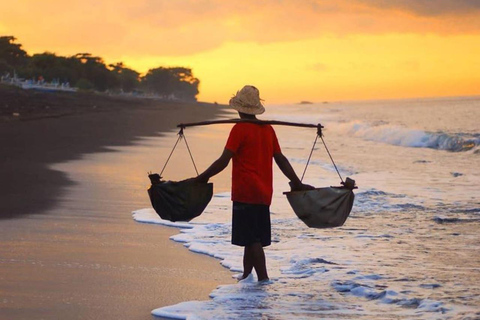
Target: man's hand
298 186
201 179
197 179
284 165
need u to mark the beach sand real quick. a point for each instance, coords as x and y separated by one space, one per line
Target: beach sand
70 248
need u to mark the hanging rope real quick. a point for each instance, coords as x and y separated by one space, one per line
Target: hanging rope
188 148
308 161
320 134
180 136
332 159
168 159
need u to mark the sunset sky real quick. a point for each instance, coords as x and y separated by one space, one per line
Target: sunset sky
291 50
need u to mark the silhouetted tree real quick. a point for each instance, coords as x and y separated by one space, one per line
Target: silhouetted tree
128 79
5 68
84 84
87 72
179 82
95 70
11 53
52 67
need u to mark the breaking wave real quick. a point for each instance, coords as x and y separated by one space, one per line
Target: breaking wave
413 138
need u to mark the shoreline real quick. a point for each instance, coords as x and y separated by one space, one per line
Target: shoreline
40 137
70 248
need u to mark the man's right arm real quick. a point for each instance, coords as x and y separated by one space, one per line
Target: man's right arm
216 167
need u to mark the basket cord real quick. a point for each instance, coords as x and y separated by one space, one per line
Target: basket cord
338 172
180 136
188 148
320 134
309 157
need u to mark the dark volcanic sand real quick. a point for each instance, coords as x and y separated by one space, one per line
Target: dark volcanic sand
75 258
73 124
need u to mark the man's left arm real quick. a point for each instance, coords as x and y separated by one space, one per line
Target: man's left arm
286 168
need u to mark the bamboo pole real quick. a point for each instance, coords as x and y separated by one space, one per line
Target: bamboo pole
272 122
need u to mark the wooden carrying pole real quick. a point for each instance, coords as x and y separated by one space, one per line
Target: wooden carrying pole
272 122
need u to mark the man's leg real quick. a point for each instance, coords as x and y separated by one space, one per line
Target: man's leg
256 253
247 262
252 223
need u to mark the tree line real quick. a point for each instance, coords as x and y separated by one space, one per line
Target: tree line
88 72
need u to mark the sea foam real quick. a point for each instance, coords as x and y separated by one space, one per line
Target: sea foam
405 251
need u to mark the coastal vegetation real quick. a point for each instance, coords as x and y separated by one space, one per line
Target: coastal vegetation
86 71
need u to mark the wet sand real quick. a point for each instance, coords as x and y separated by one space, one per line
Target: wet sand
85 123
70 249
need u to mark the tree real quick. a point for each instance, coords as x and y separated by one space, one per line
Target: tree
128 79
84 84
12 53
179 82
186 84
5 68
52 67
90 72
95 71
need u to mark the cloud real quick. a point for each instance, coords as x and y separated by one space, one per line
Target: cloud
185 27
217 21
428 7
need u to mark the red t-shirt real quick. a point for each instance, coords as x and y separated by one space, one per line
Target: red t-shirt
253 146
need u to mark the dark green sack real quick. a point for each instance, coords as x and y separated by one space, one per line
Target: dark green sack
179 201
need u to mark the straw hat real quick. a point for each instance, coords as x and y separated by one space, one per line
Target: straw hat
247 101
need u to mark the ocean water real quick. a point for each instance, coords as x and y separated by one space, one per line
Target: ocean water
410 248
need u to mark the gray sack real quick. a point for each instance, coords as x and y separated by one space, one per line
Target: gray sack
322 207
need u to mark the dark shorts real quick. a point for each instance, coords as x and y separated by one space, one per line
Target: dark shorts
251 224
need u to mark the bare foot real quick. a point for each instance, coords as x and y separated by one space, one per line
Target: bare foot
264 281
240 277
243 277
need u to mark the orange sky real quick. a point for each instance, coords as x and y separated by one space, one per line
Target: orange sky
291 50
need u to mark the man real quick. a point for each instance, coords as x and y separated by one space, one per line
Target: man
252 147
